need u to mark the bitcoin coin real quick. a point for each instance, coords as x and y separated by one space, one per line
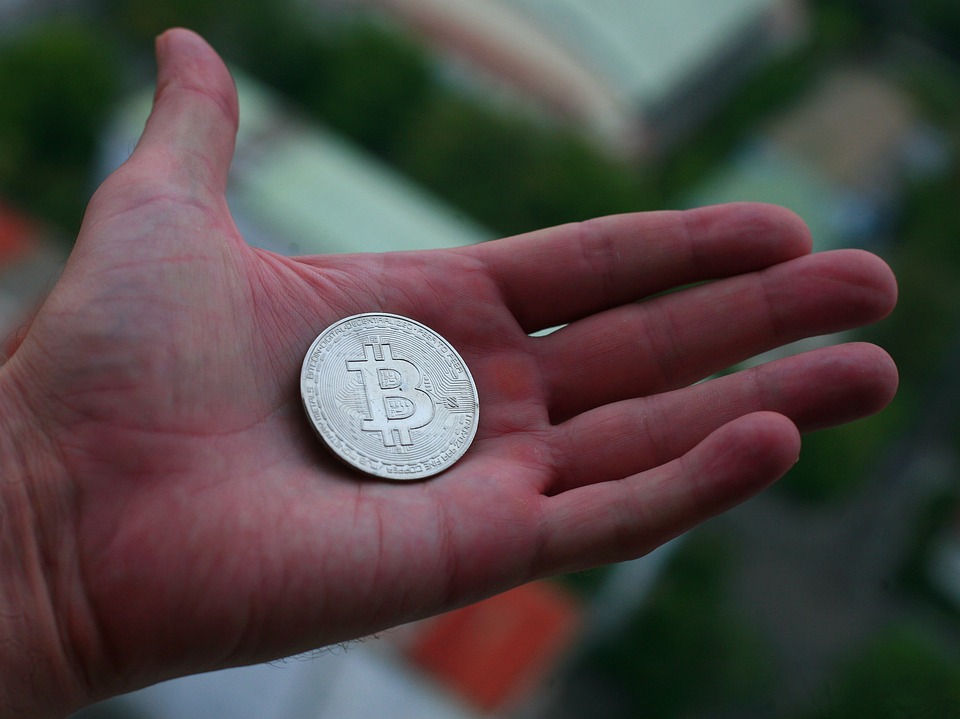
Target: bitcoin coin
389 396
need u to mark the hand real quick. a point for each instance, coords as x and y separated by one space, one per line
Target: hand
166 509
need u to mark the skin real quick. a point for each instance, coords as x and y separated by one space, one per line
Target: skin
165 509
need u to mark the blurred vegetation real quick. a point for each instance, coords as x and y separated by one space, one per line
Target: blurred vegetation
686 650
937 519
941 21
361 79
584 584
903 672
58 85
836 463
511 173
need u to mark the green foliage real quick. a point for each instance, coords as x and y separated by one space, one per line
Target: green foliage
939 515
511 174
934 87
371 87
926 261
837 462
757 99
902 673
941 19
230 28
58 82
584 584
364 81
844 26
684 650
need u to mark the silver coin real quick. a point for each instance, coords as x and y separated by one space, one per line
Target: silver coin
389 396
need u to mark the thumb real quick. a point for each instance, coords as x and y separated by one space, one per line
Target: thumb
190 134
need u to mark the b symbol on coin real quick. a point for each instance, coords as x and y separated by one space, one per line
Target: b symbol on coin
397 405
389 396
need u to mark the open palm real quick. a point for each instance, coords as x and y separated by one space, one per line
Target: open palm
196 521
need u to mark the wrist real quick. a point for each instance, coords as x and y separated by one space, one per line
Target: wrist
40 666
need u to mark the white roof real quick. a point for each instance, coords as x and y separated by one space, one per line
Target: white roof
642 48
362 681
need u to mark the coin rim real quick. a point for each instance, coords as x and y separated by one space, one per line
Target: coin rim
347 460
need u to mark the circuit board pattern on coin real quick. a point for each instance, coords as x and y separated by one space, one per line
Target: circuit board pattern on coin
389 396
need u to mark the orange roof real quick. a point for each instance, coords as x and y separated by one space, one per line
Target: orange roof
494 651
16 235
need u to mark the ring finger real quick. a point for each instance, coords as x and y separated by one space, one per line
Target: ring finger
815 390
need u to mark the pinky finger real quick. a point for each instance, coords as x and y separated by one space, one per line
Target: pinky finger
624 519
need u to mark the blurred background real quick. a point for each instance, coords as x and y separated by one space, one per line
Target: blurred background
395 124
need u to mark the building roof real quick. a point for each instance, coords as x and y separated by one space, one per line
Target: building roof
613 66
17 235
492 652
643 48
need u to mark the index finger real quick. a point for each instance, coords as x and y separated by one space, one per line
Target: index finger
561 274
